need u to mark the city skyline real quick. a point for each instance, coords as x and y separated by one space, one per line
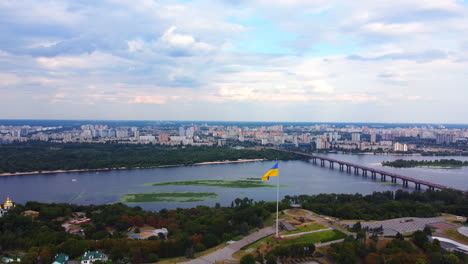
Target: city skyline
295 61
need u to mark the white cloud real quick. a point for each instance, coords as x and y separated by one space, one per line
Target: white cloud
394 29
148 99
181 44
135 45
84 61
165 54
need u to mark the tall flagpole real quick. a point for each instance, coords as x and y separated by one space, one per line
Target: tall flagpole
277 204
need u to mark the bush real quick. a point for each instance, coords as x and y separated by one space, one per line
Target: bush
248 259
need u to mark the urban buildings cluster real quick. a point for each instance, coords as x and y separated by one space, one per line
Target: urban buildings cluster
319 137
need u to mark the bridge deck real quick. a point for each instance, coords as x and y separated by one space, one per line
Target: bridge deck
398 176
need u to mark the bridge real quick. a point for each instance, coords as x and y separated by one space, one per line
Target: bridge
365 171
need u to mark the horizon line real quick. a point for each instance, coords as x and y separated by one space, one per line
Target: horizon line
235 121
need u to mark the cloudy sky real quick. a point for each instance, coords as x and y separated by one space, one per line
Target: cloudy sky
253 60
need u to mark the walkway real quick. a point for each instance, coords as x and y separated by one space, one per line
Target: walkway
226 252
305 233
310 215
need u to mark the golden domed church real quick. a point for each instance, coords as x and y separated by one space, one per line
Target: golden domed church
6 206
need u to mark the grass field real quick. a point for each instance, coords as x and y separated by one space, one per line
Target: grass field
220 183
168 197
304 228
453 234
319 237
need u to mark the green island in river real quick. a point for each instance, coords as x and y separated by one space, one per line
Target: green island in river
400 163
168 197
219 183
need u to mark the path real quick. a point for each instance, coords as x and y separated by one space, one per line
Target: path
226 252
310 215
305 233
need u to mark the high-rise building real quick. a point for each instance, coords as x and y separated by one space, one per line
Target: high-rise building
356 137
445 138
181 131
121 133
221 142
400 147
163 138
373 137
322 143
189 132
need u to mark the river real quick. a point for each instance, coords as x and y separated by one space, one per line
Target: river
299 176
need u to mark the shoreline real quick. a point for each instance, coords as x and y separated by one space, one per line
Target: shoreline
383 154
127 168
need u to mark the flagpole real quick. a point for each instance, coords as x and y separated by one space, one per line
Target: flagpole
277 205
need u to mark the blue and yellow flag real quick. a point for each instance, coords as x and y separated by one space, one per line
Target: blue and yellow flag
271 173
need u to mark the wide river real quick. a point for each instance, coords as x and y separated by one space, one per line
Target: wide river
299 176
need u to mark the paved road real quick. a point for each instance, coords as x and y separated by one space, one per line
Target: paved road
226 252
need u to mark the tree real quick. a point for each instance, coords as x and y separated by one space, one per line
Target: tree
420 239
32 256
428 231
45 255
74 247
153 257
260 258
271 260
247 259
399 236
421 261
361 235
357 227
116 255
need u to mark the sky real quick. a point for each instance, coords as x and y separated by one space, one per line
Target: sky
235 60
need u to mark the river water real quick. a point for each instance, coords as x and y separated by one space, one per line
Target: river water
300 177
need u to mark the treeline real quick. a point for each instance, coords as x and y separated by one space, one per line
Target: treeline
418 250
385 205
190 230
41 156
400 163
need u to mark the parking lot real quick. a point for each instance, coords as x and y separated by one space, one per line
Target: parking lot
399 225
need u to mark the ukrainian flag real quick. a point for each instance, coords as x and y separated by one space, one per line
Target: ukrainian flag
271 173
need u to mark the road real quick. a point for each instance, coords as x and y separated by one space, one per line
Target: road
226 252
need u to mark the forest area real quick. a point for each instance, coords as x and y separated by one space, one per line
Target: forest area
41 156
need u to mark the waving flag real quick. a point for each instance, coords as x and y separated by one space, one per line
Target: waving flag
271 173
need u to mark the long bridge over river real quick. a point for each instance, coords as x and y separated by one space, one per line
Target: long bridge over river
365 171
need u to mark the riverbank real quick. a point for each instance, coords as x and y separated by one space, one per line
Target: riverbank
127 168
376 153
